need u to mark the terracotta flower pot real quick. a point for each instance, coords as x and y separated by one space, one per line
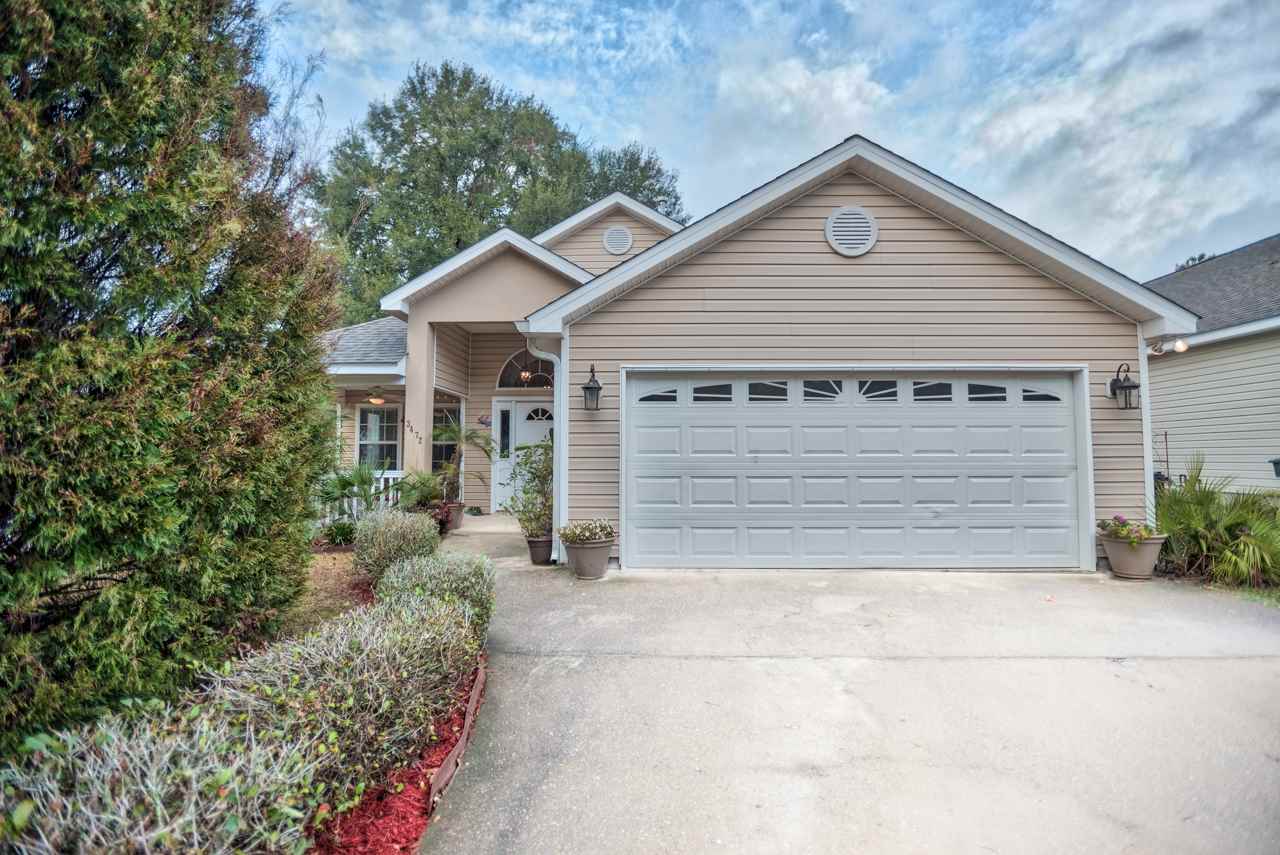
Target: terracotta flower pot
589 560
539 549
1132 561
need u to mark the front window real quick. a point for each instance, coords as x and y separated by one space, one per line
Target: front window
378 438
442 452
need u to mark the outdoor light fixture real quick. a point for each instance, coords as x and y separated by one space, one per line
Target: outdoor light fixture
375 396
1125 385
525 375
591 392
1180 345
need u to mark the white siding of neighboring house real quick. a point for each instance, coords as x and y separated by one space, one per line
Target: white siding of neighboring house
775 292
1222 400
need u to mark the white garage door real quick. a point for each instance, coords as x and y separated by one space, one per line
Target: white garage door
850 470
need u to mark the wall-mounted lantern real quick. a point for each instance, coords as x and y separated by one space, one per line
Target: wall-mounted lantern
591 392
1122 388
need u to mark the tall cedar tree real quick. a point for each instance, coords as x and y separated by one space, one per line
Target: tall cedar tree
451 159
163 412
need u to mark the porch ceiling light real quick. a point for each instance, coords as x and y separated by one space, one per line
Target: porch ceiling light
591 392
375 397
1122 388
525 375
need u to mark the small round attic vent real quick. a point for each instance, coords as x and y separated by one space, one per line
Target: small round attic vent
852 231
617 239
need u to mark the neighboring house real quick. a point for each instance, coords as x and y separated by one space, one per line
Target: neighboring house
857 364
1221 396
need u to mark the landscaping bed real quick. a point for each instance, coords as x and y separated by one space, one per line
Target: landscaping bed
277 748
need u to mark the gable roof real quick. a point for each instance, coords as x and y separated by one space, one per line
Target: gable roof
397 302
380 342
607 205
998 228
1235 288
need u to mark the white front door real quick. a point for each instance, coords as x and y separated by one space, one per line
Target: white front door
850 469
515 423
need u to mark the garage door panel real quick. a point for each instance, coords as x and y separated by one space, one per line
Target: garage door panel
841 481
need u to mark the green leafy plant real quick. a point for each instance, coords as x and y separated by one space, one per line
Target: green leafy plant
164 409
460 436
1231 537
1124 529
351 492
587 531
531 498
385 537
339 533
419 491
274 746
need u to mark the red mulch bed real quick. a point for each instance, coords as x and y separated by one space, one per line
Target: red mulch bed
393 817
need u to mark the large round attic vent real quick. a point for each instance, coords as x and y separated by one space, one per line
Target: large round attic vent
617 239
852 231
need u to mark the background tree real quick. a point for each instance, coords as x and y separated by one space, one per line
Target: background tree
163 408
1193 260
452 158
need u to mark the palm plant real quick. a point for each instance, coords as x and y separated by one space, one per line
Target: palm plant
352 492
1229 536
460 435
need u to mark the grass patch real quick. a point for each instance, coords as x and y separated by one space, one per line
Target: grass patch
333 587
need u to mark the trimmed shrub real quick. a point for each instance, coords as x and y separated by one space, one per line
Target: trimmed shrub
275 741
339 533
385 537
450 576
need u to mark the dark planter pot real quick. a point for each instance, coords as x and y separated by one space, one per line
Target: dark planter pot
1132 561
539 549
589 560
455 514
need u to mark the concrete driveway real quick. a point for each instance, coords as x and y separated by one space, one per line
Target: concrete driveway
867 712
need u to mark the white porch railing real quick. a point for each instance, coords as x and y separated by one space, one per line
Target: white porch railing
388 492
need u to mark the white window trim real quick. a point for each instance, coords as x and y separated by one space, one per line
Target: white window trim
355 460
1078 374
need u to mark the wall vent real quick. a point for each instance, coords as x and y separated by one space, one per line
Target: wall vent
852 231
617 239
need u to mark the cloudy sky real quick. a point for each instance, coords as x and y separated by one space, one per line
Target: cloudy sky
1139 132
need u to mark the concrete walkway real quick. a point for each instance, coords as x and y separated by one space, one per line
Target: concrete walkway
867 712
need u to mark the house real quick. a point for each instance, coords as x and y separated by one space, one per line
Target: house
1220 395
856 364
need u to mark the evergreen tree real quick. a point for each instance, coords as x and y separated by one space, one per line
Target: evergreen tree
163 406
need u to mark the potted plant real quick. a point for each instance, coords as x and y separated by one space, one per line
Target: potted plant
1132 548
419 492
531 502
588 543
451 470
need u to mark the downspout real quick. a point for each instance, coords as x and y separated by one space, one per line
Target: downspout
559 440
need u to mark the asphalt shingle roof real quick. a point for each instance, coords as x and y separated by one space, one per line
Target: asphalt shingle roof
1234 288
384 340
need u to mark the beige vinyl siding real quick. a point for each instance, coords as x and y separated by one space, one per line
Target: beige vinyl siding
489 352
1222 400
585 247
452 344
775 291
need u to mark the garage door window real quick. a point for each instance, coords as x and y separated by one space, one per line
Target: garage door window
930 391
883 391
983 392
1036 396
823 391
712 393
767 391
660 396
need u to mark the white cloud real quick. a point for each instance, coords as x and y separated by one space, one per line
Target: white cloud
1136 131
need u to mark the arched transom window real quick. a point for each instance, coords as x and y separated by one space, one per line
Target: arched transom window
526 371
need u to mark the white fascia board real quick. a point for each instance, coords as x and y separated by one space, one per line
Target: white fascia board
609 203
765 198
398 300
1228 333
341 368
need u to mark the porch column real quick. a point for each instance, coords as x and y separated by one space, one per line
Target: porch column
419 393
